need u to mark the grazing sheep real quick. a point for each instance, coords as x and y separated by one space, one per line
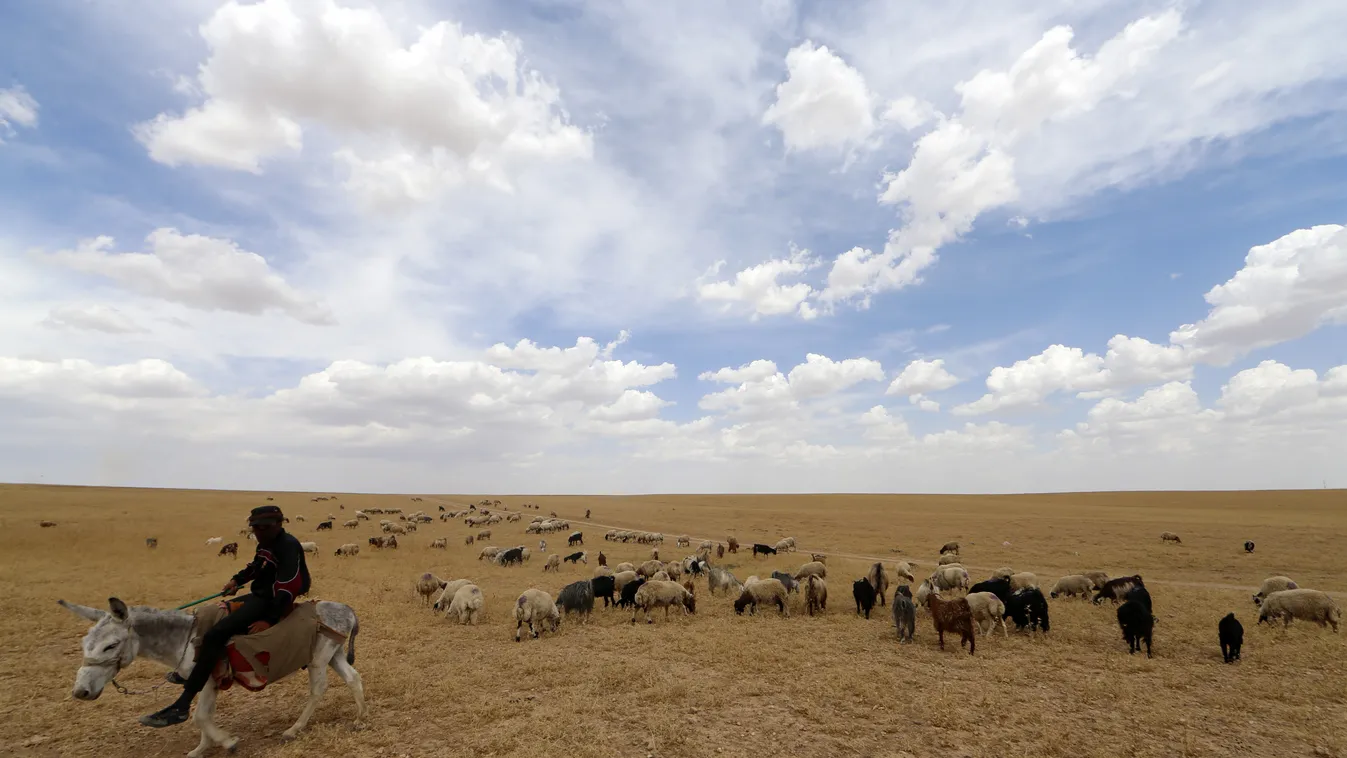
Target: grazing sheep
46 524
1074 585
786 580
720 550
1248 546
952 616
1137 625
649 568
553 563
1029 609
654 553
904 613
214 541
682 540
602 585
1170 537
998 587
536 609
1097 578
1005 572
863 592
815 595
879 580
428 584
627 595
484 534
660 576
782 546
577 597
623 578
309 547
1232 637
904 570
440 542
950 547
1117 589
579 556
467 604
1273 584
349 548
624 566
1023 580
762 591
1304 604
488 553
719 579
813 568
948 578
657 594
350 524
987 607
947 558
468 540
447 591
924 591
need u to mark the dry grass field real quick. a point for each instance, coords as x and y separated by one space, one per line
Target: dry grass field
713 683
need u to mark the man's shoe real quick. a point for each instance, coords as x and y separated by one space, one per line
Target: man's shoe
174 714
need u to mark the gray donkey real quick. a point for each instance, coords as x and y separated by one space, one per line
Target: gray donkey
121 634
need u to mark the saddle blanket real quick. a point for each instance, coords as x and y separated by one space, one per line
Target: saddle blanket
254 660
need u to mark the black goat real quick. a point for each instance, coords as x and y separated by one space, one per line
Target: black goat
628 598
864 592
1029 609
603 587
758 547
1232 637
787 580
998 587
1137 623
1248 546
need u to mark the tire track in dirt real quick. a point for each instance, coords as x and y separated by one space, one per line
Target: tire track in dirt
891 559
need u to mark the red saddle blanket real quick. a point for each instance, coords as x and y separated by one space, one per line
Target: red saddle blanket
254 660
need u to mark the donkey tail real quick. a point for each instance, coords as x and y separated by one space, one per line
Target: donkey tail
350 649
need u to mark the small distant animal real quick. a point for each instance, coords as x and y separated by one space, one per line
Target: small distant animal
151 542
1232 637
761 549
324 525
1248 546
230 549
950 547
1170 537
586 513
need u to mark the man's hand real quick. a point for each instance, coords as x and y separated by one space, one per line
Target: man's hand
258 626
230 588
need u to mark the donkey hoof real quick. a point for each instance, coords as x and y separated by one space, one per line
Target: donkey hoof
288 736
359 726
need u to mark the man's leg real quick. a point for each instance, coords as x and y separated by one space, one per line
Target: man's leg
212 649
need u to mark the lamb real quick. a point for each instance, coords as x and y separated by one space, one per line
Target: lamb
349 548
1137 624
762 591
467 604
468 540
813 568
987 607
924 591
310 547
484 534
815 595
1232 637
879 580
577 597
786 580
603 586
1028 608
446 597
864 594
350 523
1023 580
950 547
656 594
904 570
535 608
719 579
1170 537
1116 589
782 546
428 584
627 596
952 616
553 563
1074 585
904 613
1273 584
1304 604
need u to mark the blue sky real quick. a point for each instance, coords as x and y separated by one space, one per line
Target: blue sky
324 213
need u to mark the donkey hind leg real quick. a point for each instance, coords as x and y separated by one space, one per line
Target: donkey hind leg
205 720
354 683
322 654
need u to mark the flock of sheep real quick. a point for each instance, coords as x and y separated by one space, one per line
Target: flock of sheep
656 584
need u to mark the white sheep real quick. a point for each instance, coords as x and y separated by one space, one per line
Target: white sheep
1023 580
1073 585
1005 572
349 548
1097 578
467 604
440 542
649 568
660 576
446 597
987 608
553 563
1304 604
426 585
624 566
812 568
536 609
720 579
815 594
947 559
756 591
310 547
488 552
1273 584
214 541
602 571
622 579
948 578
904 570
662 594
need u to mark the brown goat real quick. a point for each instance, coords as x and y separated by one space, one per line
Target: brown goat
952 616
732 543
603 559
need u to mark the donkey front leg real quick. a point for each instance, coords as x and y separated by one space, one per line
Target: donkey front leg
317 686
205 720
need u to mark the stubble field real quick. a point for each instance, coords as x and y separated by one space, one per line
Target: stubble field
712 683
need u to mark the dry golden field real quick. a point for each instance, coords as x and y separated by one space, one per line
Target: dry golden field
709 684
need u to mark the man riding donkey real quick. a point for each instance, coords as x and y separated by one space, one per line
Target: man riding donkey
279 574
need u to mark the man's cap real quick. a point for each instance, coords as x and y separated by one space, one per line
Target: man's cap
263 513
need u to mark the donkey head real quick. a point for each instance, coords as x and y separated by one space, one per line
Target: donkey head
109 646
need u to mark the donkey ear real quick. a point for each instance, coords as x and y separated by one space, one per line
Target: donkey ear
119 610
83 611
